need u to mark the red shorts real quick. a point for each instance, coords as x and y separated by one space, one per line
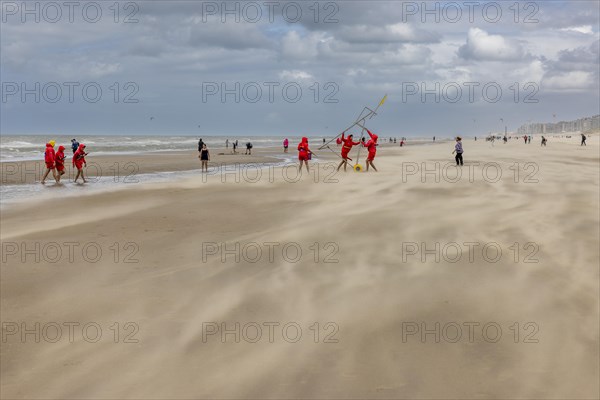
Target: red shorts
60 167
345 154
303 156
371 156
49 165
79 165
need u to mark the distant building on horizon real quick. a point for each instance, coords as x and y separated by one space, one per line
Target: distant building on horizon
587 124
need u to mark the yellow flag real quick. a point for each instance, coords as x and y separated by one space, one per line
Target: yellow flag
382 100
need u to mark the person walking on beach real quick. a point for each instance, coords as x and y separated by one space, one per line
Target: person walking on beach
74 145
234 147
248 148
505 139
226 143
371 146
459 151
59 162
204 157
434 138
79 162
285 145
347 144
583 138
303 154
200 144
49 159
543 141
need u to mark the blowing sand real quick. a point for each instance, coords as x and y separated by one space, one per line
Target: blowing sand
384 257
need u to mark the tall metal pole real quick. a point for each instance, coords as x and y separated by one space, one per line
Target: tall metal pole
362 132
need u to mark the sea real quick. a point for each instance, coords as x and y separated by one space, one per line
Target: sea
31 147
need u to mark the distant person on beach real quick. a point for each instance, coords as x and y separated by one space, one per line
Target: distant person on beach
248 148
583 138
529 142
371 146
505 139
434 138
346 147
234 146
49 159
204 157
227 143
304 153
286 144
59 162
79 162
323 140
543 141
459 151
475 138
200 144
74 145
401 142
525 138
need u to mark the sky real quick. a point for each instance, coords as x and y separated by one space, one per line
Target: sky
295 68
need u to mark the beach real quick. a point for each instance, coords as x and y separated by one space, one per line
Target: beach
420 281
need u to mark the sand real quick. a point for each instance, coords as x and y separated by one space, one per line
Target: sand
372 284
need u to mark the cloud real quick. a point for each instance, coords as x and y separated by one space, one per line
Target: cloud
297 47
406 55
295 75
585 29
99 69
393 33
482 46
574 69
577 58
532 72
237 36
569 81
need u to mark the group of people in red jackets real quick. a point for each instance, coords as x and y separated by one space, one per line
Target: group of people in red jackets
55 160
347 143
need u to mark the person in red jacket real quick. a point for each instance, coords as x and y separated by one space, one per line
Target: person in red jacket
79 162
347 144
59 161
304 153
49 157
371 146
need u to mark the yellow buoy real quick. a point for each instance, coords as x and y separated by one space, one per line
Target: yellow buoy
358 168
